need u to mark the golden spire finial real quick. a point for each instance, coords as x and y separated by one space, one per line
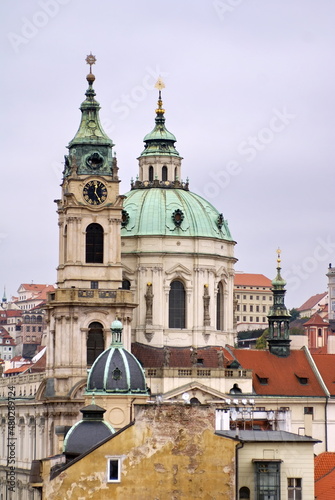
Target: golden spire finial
278 256
160 85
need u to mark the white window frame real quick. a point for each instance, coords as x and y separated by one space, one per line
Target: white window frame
119 462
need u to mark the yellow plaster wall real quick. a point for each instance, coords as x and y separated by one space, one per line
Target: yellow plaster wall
170 453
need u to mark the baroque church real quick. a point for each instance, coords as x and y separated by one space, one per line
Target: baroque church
158 264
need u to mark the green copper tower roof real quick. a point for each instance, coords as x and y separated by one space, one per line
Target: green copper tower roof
279 317
91 150
90 129
159 141
171 212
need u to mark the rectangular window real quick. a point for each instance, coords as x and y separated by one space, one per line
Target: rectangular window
267 480
237 296
251 297
251 318
264 319
264 298
257 319
257 308
244 318
94 285
308 410
264 309
294 488
238 307
257 297
237 318
114 470
244 297
244 308
251 308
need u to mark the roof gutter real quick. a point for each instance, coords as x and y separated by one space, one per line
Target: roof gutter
324 387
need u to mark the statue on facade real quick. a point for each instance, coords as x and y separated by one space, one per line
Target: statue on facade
149 301
206 297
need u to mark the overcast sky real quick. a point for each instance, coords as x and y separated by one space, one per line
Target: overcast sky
249 95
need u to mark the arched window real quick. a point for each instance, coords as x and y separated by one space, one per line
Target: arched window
94 244
319 332
151 173
219 308
95 342
175 174
244 493
177 305
125 285
164 173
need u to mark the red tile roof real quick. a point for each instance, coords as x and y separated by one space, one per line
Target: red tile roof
180 357
316 319
325 476
323 464
326 365
312 302
21 369
10 313
246 279
282 374
33 287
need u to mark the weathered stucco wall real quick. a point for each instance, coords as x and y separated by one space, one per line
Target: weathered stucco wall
170 453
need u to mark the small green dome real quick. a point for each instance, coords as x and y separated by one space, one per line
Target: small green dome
116 325
171 212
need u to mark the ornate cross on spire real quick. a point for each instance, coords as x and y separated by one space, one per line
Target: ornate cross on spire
91 59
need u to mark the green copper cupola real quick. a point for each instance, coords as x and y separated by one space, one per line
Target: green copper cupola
159 141
159 162
279 317
90 151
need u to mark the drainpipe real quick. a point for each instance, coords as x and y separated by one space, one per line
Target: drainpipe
239 446
326 422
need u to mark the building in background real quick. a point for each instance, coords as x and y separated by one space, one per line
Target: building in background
253 299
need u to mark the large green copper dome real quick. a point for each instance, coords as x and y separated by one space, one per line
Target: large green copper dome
171 212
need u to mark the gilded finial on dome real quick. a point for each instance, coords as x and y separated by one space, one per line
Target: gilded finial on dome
160 85
278 256
90 59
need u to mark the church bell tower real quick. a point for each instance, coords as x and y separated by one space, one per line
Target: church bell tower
89 294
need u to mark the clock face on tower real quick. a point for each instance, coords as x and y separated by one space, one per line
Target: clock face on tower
95 192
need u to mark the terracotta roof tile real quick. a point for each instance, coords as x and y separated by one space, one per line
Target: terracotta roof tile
180 357
316 319
21 369
326 365
282 374
246 279
325 476
323 464
312 301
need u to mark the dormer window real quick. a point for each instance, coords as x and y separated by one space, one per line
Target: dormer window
262 380
303 380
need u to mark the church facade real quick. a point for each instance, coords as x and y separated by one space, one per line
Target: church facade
159 259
